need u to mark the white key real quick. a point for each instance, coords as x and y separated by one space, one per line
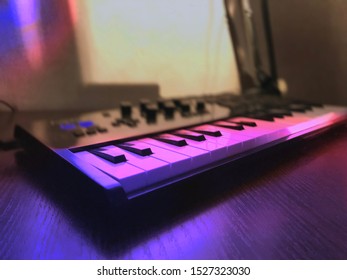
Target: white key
156 170
130 177
179 163
270 131
233 146
248 142
197 156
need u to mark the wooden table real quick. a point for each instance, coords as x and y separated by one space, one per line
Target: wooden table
289 203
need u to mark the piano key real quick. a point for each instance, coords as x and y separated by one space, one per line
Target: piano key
247 141
235 144
232 146
156 170
267 131
111 155
171 139
206 131
136 148
129 176
228 125
305 121
217 151
243 123
198 157
189 135
179 163
103 179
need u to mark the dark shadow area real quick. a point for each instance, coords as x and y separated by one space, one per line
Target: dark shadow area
310 48
114 229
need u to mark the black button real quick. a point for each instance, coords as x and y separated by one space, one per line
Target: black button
91 130
126 109
185 108
143 104
116 123
200 106
78 132
151 113
102 129
169 109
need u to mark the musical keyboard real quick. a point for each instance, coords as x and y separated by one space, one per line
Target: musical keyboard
137 149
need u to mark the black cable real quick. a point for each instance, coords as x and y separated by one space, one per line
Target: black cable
8 144
8 105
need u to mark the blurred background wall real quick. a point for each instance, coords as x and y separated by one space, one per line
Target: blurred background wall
311 47
42 72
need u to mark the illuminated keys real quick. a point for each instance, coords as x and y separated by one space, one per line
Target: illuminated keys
171 139
216 150
264 132
197 156
129 176
228 125
206 130
234 135
179 163
114 156
244 123
141 170
136 148
189 135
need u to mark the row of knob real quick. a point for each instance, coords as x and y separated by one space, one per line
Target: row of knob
150 109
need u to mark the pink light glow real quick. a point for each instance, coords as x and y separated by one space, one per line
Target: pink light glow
41 31
29 19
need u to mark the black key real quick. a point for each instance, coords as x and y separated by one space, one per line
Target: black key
189 135
214 133
228 125
138 148
110 155
245 123
171 139
263 117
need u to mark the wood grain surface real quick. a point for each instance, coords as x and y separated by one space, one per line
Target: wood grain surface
286 203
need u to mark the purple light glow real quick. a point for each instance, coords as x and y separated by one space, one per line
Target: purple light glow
35 33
